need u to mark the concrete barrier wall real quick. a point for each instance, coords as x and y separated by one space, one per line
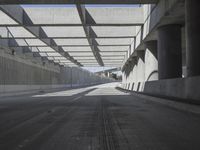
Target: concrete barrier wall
185 88
24 74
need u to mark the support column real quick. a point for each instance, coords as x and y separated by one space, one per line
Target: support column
141 66
151 61
130 77
192 37
140 70
134 74
169 52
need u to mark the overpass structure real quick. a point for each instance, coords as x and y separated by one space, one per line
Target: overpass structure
59 37
60 106
79 2
164 60
150 40
77 35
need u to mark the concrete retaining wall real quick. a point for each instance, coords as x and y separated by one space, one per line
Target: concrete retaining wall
19 73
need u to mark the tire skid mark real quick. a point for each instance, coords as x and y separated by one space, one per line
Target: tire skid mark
113 137
109 140
88 131
119 130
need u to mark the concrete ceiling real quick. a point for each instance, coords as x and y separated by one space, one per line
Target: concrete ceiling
81 35
78 1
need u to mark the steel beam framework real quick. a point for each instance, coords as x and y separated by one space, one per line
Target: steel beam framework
78 1
89 37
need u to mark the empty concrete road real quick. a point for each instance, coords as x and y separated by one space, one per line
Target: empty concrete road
95 118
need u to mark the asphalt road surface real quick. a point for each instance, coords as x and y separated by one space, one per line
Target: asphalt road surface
94 118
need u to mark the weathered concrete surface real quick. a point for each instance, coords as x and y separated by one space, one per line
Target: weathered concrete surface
22 74
170 18
166 12
95 118
192 37
169 52
140 70
185 88
140 66
151 61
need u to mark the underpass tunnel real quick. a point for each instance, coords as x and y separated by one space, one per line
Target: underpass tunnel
99 74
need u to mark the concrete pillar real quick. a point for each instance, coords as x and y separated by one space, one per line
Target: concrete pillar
123 79
140 70
128 74
169 52
140 66
131 77
192 37
134 74
151 61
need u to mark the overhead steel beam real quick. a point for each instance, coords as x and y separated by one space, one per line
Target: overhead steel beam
17 13
78 1
101 51
74 25
82 60
105 37
88 31
52 45
121 59
86 58
74 51
113 56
